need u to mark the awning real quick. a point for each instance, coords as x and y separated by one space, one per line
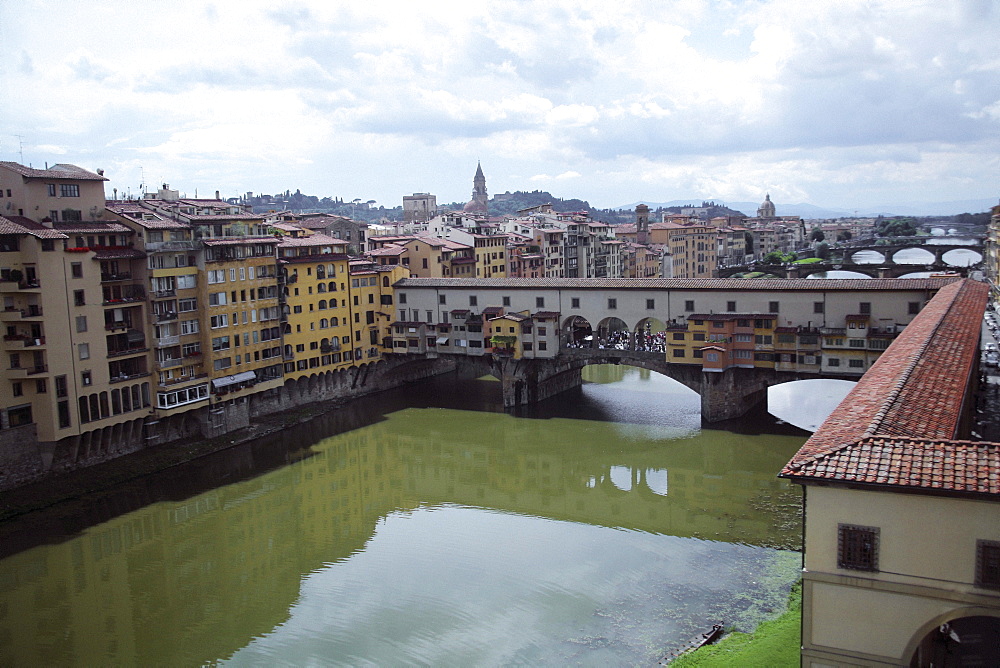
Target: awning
442 340
241 377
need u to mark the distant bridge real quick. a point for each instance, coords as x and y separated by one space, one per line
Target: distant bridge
889 268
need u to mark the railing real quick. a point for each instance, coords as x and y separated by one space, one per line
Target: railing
168 341
121 378
161 294
169 363
127 351
112 326
38 368
165 317
124 276
183 379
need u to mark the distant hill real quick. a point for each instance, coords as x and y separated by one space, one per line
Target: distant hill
510 203
809 211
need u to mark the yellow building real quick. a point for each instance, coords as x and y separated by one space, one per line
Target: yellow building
337 317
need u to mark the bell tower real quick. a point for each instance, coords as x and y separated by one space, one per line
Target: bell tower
642 224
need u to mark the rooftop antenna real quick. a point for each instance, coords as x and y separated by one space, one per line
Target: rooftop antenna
20 147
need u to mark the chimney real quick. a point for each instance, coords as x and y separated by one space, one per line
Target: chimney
216 194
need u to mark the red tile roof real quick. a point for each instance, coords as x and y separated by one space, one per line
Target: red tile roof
958 466
22 225
915 393
715 284
60 171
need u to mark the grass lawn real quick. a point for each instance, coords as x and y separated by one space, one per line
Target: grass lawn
774 643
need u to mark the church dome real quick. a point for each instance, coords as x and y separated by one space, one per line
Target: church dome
766 208
474 206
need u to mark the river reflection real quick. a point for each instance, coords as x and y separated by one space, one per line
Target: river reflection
405 531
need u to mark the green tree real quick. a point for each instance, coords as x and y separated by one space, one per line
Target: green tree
844 236
817 235
823 250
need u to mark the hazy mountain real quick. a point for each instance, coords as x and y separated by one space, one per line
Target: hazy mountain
811 211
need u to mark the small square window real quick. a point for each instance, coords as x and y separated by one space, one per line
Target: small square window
650 304
689 305
575 302
402 297
818 307
773 307
731 307
79 298
988 564
865 308
612 303
76 269
506 301
540 302
857 547
913 308
473 301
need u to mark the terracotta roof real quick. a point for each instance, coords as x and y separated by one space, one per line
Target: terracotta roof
136 213
545 315
914 393
311 240
91 228
492 310
60 171
728 284
22 225
957 466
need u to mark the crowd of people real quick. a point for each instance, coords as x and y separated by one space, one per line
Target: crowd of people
647 341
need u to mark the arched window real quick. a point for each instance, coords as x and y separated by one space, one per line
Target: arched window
333 322
324 323
322 304
321 287
332 286
385 281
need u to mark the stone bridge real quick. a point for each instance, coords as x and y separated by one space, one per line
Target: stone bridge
889 268
724 395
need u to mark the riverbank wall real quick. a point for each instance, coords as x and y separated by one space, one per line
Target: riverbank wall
224 422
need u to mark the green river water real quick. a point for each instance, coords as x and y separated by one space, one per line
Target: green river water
423 527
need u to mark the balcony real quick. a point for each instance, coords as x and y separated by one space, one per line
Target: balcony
117 324
169 363
122 377
157 246
23 341
164 341
120 352
16 314
120 276
165 317
183 379
163 294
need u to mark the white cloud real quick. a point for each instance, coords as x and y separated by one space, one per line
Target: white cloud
861 100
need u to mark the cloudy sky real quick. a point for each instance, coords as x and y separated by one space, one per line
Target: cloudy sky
845 104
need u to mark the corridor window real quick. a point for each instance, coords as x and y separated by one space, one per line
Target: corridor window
731 306
857 547
988 564
650 304
539 302
689 305
612 303
818 307
575 302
